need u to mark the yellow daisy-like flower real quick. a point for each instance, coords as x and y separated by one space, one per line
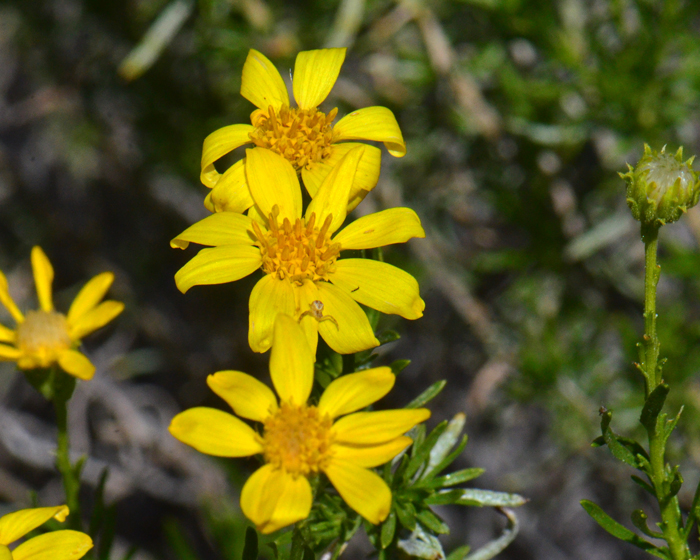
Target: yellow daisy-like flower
303 135
299 439
57 545
299 256
45 337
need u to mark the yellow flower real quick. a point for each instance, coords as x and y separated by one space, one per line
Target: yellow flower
45 337
300 439
57 545
299 256
303 135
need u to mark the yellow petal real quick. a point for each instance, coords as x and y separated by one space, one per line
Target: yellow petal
272 498
291 361
218 265
372 123
17 524
261 83
354 391
247 396
9 353
395 225
363 490
218 144
371 455
7 335
76 364
214 432
273 182
350 332
372 428
7 301
315 72
332 196
380 286
5 553
58 545
224 228
94 319
231 193
306 295
366 176
43 278
90 295
269 297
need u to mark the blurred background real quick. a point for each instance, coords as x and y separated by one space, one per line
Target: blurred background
517 114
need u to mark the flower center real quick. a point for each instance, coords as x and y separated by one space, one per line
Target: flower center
664 170
297 251
298 439
42 337
303 136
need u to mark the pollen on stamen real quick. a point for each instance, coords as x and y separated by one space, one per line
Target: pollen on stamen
302 136
42 337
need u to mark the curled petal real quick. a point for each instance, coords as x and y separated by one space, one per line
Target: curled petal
218 265
291 361
261 83
218 144
380 286
372 428
247 396
223 228
395 225
231 192
372 123
15 525
215 433
58 545
363 490
354 391
269 297
315 73
272 498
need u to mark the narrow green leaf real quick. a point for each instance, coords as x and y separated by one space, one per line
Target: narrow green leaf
495 547
387 336
439 467
432 522
676 482
653 406
445 443
388 530
398 366
620 532
428 395
480 498
598 442
639 520
406 514
459 553
452 479
644 484
421 545
250 548
670 426
444 497
422 451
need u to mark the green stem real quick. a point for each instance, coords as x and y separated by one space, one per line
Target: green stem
670 511
650 236
71 484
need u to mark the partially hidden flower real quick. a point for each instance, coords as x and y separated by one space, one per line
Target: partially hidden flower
299 439
299 256
303 135
57 545
45 337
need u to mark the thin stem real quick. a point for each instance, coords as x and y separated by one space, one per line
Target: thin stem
71 484
670 512
650 236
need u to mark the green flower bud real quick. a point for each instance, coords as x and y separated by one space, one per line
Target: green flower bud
661 187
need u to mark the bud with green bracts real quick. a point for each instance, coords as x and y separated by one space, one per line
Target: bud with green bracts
661 187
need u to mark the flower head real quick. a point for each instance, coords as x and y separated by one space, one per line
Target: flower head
299 254
57 545
44 337
661 187
300 439
303 135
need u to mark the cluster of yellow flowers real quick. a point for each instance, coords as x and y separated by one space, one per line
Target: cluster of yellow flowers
307 289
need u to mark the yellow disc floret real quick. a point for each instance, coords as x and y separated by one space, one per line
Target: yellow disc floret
302 136
297 251
298 439
42 337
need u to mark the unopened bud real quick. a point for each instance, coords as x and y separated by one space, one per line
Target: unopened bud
661 187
